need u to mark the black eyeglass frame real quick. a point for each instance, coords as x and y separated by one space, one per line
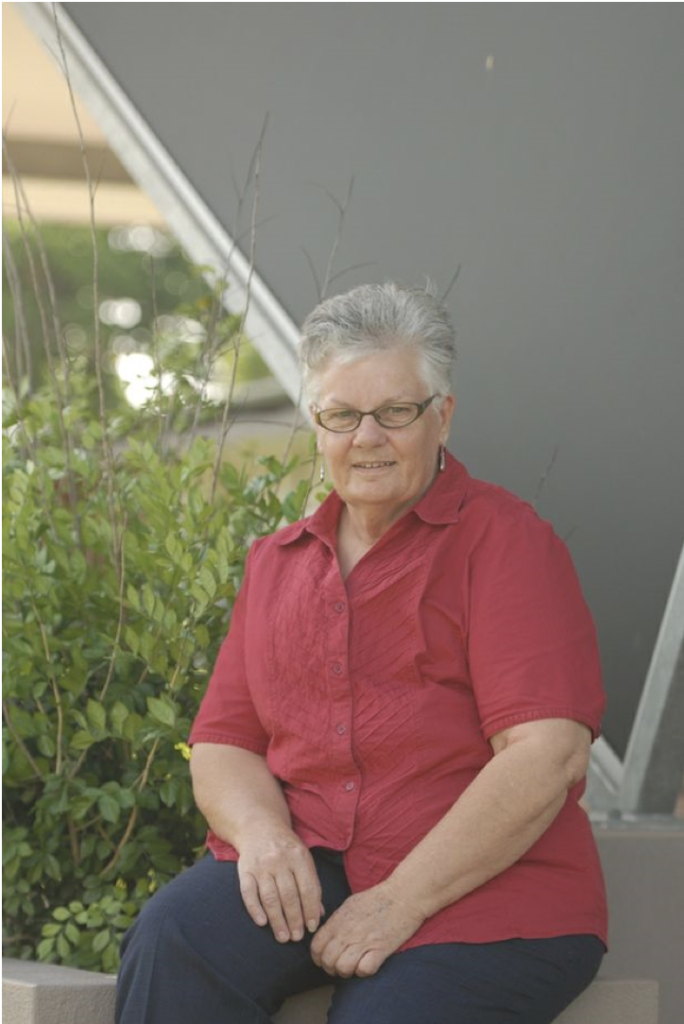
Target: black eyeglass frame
420 408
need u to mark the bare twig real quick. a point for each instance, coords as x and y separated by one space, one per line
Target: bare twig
451 284
256 164
23 205
312 268
122 615
213 345
21 209
133 817
545 476
354 266
55 691
107 453
342 207
22 348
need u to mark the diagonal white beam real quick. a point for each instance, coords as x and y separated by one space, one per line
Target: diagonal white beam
202 235
654 760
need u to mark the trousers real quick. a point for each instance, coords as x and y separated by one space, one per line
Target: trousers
195 955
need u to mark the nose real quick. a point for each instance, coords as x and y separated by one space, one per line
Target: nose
369 431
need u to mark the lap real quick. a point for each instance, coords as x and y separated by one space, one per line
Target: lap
467 983
194 945
195 950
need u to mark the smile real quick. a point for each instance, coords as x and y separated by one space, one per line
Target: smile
372 465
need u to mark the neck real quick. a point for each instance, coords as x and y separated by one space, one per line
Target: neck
366 526
367 523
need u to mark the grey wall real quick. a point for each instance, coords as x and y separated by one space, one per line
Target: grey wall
553 177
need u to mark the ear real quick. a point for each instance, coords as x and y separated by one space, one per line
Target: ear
446 411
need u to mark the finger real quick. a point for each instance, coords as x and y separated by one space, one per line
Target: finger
370 963
270 897
310 893
250 897
341 961
291 905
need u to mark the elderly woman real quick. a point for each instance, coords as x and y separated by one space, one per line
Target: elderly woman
391 751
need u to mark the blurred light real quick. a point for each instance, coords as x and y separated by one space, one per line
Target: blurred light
135 366
182 328
75 336
124 344
136 371
120 312
140 238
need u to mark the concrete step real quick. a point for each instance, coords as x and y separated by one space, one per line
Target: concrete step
45 994
606 1001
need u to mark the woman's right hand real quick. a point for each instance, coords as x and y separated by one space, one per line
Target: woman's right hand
278 882
244 805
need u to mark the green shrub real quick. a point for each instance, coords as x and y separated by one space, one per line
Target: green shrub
123 548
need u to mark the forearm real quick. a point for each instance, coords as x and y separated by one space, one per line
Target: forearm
236 792
497 819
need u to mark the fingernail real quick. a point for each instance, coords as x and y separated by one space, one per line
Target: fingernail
282 936
312 924
297 934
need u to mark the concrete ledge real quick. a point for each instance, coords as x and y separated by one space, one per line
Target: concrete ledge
44 994
606 1001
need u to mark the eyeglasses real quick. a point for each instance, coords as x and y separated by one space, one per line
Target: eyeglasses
392 416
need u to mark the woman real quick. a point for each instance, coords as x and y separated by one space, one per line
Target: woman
392 747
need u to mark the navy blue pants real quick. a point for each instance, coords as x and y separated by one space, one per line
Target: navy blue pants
194 956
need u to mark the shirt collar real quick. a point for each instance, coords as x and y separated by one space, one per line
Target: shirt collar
439 506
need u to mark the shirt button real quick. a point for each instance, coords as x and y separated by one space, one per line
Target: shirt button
349 786
341 728
339 606
337 668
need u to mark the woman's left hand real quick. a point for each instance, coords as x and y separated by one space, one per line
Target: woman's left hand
366 929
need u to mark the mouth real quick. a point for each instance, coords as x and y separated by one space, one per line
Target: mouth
372 465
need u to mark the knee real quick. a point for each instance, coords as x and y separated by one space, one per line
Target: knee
155 926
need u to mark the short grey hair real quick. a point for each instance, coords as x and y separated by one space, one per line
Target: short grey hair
375 318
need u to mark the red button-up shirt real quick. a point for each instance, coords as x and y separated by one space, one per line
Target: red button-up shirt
372 699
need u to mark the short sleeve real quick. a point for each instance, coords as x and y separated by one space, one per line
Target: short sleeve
532 644
227 713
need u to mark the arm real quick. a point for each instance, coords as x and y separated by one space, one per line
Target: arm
244 805
497 819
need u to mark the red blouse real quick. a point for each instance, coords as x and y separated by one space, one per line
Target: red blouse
372 699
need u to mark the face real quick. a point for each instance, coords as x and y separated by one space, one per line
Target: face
372 467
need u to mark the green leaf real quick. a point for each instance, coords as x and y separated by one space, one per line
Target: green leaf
148 599
96 715
132 639
81 740
207 581
132 727
168 791
109 808
101 940
61 914
174 547
162 711
118 715
46 745
45 948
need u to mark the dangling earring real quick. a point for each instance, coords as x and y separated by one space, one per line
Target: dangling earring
321 473
442 458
